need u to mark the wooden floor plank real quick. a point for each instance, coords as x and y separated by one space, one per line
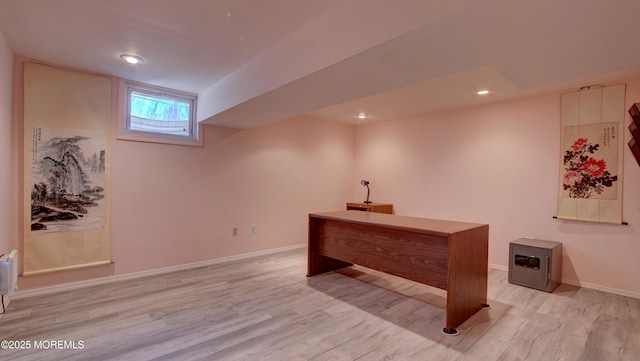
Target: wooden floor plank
264 308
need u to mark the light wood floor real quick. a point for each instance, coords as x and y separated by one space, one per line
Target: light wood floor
264 308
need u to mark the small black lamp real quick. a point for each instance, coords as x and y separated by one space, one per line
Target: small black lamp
366 184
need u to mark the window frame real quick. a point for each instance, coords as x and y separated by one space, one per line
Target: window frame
195 139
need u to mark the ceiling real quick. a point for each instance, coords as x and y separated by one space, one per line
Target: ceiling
257 61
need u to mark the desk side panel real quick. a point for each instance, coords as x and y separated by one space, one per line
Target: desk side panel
415 256
317 263
468 259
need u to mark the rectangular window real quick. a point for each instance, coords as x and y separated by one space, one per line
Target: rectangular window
158 115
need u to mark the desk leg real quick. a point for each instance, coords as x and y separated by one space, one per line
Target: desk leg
317 263
320 264
468 278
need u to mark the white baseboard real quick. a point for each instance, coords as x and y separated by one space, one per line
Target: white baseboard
129 276
596 287
498 267
99 281
591 286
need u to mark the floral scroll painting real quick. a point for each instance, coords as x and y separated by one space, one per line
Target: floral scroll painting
590 186
590 161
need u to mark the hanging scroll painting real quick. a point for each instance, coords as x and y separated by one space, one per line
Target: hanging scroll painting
67 124
68 180
590 185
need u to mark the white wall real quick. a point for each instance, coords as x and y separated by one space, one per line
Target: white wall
495 164
183 202
174 205
8 225
499 164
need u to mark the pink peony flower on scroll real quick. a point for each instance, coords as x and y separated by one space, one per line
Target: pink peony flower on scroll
579 144
594 167
585 176
572 177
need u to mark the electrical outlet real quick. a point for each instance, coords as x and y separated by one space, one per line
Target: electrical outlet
253 229
234 231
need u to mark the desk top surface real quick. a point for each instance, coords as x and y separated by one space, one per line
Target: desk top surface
415 224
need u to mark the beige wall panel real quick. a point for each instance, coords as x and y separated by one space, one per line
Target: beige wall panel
590 106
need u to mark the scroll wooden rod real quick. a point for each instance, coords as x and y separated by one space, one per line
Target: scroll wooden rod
588 87
623 222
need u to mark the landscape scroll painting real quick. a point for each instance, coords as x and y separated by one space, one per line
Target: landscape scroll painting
66 186
68 180
591 155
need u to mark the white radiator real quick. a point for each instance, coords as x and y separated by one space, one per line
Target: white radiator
9 273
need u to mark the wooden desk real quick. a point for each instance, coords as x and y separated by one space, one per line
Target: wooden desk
449 255
371 207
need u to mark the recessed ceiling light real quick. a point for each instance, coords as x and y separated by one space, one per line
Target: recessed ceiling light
131 59
483 92
362 116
